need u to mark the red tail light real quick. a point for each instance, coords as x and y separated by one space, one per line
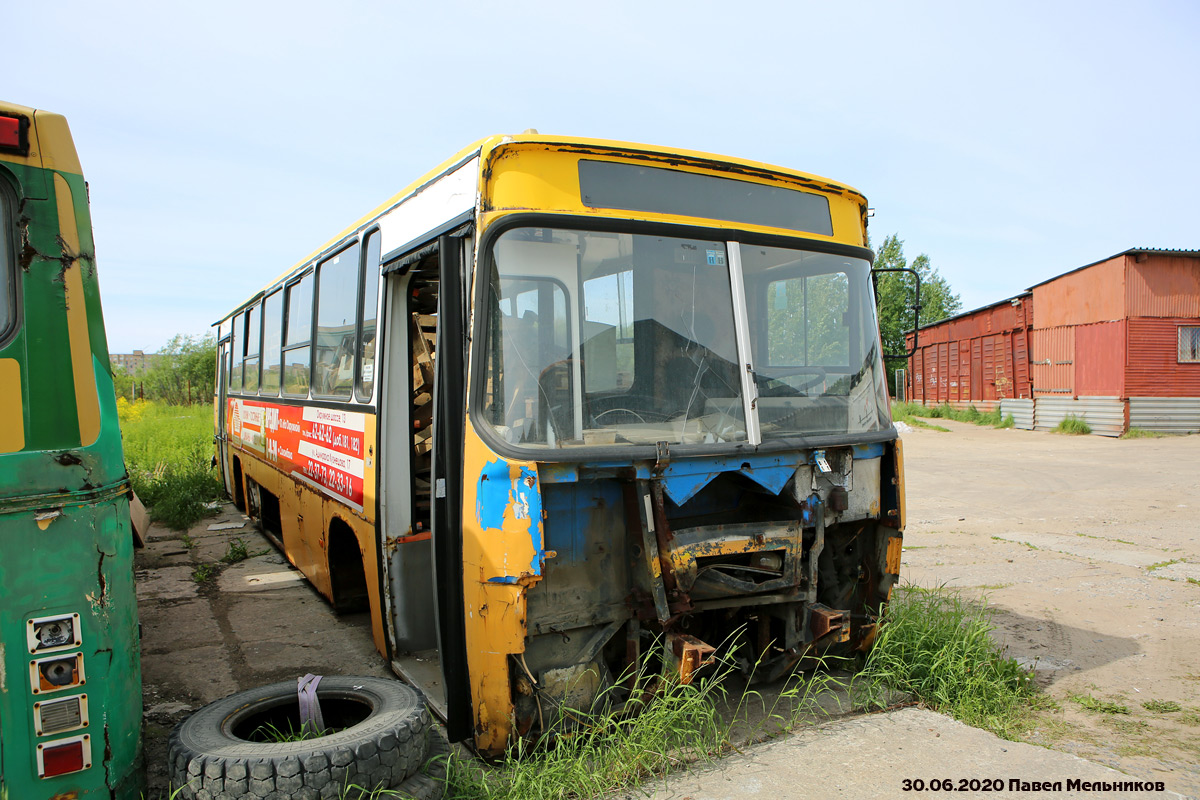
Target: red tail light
64 756
14 135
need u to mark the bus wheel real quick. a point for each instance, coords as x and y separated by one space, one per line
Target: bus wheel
252 744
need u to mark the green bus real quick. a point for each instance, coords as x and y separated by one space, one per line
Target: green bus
70 679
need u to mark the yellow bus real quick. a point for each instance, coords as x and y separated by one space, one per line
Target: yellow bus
565 408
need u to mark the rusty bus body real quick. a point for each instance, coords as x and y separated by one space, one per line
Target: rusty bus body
595 403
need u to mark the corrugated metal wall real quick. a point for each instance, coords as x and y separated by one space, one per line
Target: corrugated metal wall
1163 286
1054 361
1100 359
977 358
1105 415
1094 294
1165 414
1154 369
1021 411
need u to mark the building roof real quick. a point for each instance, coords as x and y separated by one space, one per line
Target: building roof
1133 251
961 314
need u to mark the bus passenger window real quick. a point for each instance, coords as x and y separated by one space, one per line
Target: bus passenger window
236 342
272 317
370 312
298 334
250 376
337 312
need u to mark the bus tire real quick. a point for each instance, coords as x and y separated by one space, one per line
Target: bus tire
209 756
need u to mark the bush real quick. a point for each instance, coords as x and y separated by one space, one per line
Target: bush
1073 426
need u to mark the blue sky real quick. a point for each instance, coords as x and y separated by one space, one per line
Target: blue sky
224 141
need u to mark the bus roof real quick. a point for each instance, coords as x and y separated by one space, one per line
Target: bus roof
484 147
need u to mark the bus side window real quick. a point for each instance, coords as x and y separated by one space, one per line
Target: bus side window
253 331
369 315
297 336
272 318
337 323
237 341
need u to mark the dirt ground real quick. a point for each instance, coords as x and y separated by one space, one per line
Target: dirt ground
1088 548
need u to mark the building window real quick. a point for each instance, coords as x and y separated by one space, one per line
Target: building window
1189 344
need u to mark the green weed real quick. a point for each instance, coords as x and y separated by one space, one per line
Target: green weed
1072 426
1162 706
268 732
187 541
203 572
238 552
1142 433
1099 706
1161 564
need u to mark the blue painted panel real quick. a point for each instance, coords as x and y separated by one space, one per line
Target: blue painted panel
683 487
492 494
868 451
528 496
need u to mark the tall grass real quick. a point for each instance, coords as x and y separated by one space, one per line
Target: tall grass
937 645
602 751
168 451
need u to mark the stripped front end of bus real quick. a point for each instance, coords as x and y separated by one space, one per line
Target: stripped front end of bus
678 444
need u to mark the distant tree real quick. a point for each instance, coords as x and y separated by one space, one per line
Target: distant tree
897 295
184 373
123 383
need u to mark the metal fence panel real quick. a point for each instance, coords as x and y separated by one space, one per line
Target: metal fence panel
1165 414
1021 411
1105 415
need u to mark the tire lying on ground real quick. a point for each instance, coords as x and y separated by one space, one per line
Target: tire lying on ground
430 781
380 739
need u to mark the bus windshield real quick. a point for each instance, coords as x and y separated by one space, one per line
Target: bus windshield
601 338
